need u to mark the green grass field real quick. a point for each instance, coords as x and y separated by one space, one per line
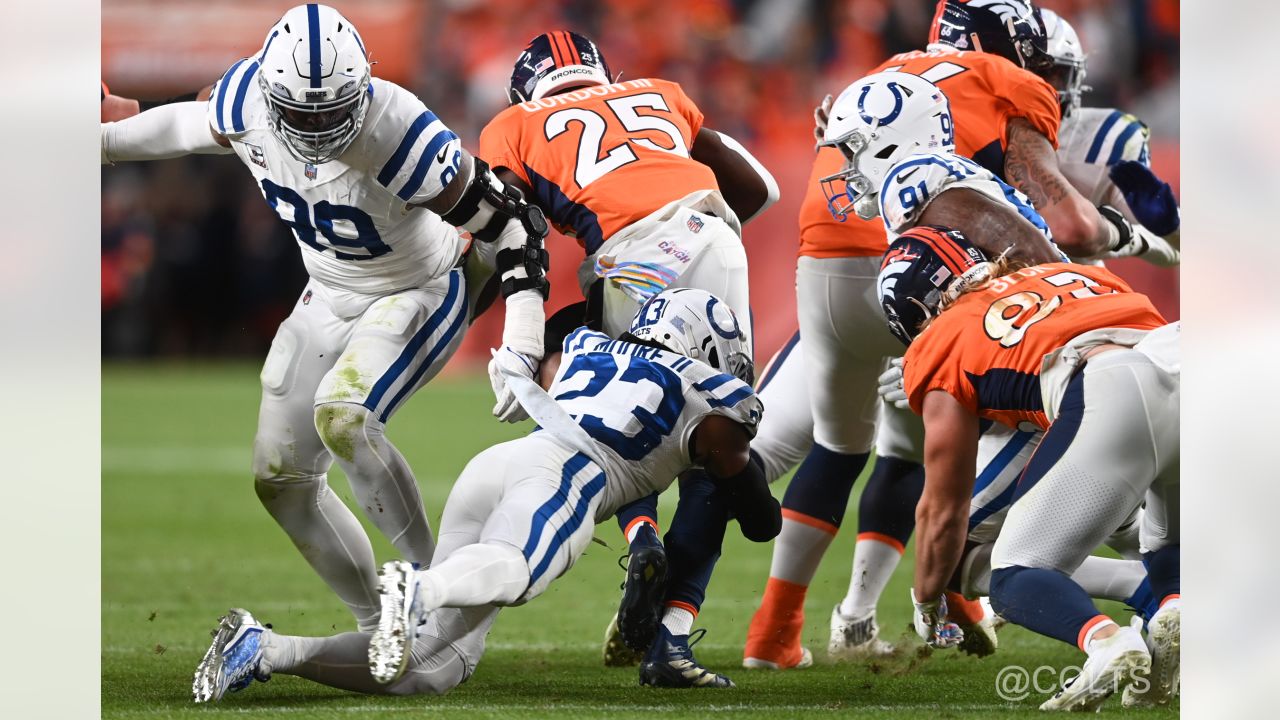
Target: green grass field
184 538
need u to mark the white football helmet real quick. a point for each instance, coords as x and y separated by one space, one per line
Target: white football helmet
696 324
315 76
1067 73
875 123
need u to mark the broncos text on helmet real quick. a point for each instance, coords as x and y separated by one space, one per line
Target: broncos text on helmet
555 61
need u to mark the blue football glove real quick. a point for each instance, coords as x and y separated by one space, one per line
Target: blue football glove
1150 198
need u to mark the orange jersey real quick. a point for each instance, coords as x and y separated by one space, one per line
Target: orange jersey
985 92
986 350
600 158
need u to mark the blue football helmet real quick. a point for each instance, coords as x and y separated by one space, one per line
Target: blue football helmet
555 61
1012 29
925 267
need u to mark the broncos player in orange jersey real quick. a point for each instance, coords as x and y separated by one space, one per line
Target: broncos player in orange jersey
1072 350
656 199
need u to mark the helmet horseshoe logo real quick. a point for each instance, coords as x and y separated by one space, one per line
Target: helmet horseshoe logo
893 114
729 334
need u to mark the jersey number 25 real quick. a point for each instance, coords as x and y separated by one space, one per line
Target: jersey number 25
591 164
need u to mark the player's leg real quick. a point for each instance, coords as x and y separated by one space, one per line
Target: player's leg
1084 480
398 344
290 461
693 546
538 501
843 354
785 434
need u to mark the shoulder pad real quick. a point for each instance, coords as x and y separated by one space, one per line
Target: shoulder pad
233 97
413 154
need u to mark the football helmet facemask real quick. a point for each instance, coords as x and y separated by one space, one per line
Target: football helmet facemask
875 123
1012 29
315 77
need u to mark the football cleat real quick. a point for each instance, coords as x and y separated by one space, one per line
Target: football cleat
756 663
1164 640
1113 664
980 638
616 652
398 624
640 612
856 638
233 661
670 664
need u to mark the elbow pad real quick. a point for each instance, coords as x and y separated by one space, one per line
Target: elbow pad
757 510
487 210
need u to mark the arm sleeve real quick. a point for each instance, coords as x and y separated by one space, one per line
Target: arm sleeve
168 131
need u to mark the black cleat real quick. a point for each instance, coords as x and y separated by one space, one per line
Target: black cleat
670 664
640 611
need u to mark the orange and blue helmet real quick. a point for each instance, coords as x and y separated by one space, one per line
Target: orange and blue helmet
554 61
923 267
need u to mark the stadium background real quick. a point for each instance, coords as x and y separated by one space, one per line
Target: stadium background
194 263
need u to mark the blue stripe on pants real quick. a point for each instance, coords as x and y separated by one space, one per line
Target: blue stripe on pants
543 514
585 496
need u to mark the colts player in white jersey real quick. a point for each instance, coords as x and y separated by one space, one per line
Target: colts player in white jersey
372 184
620 419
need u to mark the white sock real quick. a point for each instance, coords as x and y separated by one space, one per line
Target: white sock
677 620
1088 636
473 575
873 564
1108 578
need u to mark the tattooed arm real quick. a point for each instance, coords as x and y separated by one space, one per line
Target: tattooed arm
991 226
1031 165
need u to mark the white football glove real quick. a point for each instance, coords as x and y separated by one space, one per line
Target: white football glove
891 388
932 625
508 408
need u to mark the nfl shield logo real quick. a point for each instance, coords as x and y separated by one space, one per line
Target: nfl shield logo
310 171
695 223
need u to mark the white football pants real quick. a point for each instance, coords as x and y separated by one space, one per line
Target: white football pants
329 385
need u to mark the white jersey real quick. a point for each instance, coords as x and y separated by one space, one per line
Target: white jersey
640 407
351 216
919 178
1091 140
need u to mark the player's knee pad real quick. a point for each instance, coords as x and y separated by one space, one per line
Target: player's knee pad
341 426
277 462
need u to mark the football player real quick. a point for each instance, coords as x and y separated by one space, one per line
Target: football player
372 184
656 199
1002 117
619 420
1073 351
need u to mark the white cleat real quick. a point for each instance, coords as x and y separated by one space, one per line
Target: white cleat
1164 640
398 625
980 639
856 638
1113 664
753 663
234 659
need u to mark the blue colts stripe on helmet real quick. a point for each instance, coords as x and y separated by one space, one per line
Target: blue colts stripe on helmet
425 161
1096 147
392 168
237 107
313 34
270 40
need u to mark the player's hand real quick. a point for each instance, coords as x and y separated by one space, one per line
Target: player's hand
932 625
508 408
891 389
821 115
1150 198
116 108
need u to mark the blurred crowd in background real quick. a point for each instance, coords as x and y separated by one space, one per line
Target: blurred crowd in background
194 263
